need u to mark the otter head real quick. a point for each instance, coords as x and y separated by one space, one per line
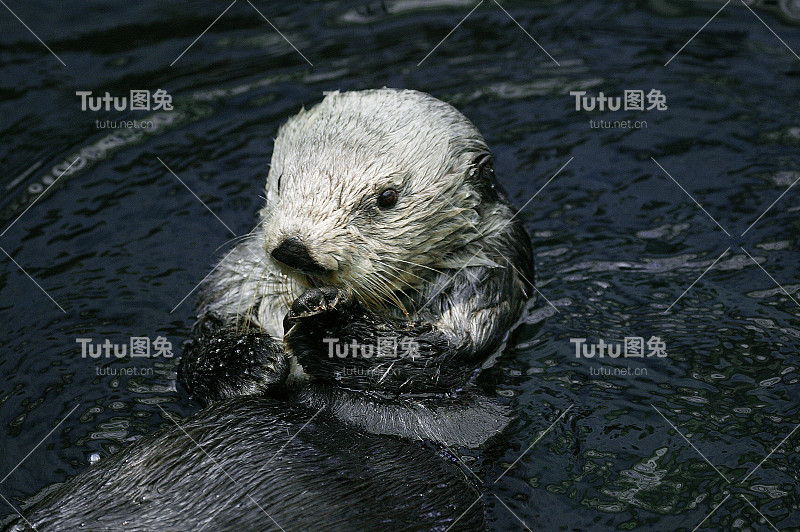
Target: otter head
374 191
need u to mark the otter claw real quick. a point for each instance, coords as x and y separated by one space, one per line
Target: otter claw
317 301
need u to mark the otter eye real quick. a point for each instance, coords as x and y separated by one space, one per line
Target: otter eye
387 198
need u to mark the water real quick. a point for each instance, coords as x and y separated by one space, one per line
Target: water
119 242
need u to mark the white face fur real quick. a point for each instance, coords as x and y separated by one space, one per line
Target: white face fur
330 165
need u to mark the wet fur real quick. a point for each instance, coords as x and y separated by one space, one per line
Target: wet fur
328 477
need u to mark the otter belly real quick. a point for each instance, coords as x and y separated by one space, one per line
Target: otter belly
263 465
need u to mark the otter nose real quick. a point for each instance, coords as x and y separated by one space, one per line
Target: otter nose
293 252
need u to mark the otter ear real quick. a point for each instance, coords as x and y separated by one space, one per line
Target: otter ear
273 187
483 161
481 177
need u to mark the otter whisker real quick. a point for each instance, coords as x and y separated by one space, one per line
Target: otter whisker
238 239
386 372
398 280
423 266
444 289
392 295
291 285
384 288
370 295
402 307
259 264
254 305
401 271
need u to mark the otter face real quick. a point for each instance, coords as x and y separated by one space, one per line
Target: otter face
371 192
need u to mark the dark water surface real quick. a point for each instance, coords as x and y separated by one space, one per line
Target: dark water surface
118 241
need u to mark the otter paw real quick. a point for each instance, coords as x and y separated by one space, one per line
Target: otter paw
231 364
316 301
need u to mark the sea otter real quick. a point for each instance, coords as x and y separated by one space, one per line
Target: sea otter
336 343
383 226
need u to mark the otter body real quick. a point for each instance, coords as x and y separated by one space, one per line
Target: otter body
386 267
253 475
